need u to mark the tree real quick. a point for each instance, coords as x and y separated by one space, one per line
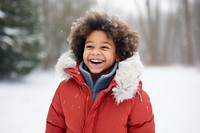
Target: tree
57 18
195 21
19 43
170 36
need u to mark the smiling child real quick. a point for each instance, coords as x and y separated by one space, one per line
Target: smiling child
102 91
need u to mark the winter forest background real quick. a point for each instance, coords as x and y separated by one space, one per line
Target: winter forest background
33 34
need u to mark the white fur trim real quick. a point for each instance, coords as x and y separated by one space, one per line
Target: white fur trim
127 75
66 60
127 78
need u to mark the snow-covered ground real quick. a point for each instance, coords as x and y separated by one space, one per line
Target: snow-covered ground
174 93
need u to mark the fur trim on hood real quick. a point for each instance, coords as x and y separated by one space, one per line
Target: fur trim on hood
127 75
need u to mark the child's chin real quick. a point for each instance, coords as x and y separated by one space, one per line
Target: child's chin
96 72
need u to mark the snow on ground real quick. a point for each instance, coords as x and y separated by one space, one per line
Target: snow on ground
174 93
24 104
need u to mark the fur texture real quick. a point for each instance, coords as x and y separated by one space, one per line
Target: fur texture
127 75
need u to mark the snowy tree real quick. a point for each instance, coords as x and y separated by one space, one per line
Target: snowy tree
19 43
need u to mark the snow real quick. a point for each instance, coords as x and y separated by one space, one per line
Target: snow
174 93
11 31
24 104
8 40
175 97
2 14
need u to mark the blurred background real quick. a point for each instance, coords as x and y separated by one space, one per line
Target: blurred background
33 34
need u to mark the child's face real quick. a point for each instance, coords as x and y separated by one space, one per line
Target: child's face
99 53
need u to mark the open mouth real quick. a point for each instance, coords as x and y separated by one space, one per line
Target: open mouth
96 61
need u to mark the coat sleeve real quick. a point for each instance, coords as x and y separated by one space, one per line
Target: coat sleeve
55 122
141 118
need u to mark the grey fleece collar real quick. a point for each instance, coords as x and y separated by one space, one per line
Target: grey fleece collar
102 82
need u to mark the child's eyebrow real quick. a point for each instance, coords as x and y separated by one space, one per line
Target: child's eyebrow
89 42
105 42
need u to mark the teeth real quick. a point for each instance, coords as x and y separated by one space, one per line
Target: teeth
95 60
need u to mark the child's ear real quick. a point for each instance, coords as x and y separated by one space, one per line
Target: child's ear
117 58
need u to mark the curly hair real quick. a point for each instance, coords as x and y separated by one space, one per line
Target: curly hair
125 40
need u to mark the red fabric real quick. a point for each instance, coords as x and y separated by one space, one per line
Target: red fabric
73 111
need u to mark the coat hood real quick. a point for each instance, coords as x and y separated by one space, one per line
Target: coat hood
127 75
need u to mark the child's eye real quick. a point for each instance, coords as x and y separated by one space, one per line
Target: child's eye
105 47
88 46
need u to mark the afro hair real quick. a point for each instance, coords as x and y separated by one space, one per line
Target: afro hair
126 41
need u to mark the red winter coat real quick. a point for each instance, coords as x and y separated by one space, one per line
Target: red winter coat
121 108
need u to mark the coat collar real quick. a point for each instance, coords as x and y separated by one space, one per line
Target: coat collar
127 75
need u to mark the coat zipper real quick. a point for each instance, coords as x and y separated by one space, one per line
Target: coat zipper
98 110
95 120
88 105
87 109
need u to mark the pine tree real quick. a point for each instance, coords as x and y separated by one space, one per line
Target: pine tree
19 42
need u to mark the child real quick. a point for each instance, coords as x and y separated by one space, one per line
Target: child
102 92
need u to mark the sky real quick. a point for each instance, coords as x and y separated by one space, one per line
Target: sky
129 6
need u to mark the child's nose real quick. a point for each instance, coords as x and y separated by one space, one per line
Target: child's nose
95 51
